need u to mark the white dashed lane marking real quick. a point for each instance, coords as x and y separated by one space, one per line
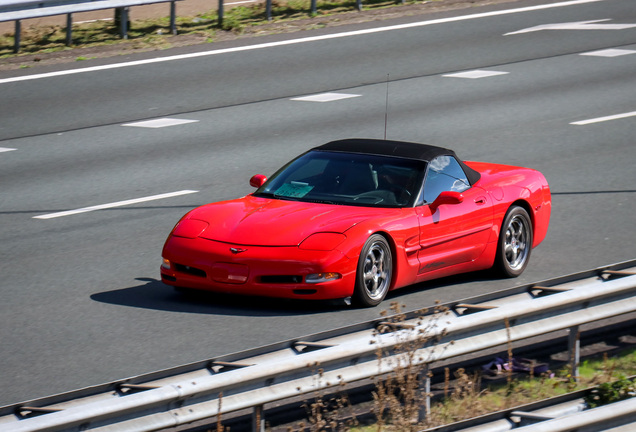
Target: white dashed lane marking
115 204
609 53
160 123
326 97
604 119
4 149
475 74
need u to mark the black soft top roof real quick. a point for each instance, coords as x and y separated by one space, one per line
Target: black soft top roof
403 149
409 150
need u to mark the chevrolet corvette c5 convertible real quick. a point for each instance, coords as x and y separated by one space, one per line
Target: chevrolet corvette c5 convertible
357 218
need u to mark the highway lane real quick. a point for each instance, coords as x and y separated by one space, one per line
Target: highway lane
81 301
440 43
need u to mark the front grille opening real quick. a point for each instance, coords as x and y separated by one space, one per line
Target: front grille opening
305 291
282 279
189 270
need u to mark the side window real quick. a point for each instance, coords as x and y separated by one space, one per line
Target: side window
444 174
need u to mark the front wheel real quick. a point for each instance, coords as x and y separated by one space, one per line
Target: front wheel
375 269
515 242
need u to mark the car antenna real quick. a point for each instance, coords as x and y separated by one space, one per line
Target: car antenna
386 107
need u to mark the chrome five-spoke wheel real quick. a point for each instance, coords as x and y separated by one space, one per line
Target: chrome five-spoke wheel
515 242
375 268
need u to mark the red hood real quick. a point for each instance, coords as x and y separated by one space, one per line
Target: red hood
270 222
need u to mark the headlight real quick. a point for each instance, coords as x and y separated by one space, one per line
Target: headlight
190 228
325 241
322 277
165 263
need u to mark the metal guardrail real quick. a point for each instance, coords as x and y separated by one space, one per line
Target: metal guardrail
603 418
18 10
567 412
252 379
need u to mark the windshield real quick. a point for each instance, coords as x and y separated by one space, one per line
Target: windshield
347 178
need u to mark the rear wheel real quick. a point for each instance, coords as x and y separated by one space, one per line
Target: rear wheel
515 242
375 269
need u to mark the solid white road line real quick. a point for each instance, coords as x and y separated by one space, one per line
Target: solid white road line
604 119
298 41
115 204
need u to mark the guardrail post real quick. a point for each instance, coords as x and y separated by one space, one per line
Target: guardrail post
69 29
268 9
17 34
425 389
121 19
173 18
258 421
220 13
574 345
124 23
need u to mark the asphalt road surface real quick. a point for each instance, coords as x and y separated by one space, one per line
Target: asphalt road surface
552 88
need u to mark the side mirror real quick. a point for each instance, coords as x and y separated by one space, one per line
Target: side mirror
258 180
446 197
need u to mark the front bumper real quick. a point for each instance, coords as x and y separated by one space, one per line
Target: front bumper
255 270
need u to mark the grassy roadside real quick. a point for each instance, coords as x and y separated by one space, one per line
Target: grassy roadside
46 44
469 398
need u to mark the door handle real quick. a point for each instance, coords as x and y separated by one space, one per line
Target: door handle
480 200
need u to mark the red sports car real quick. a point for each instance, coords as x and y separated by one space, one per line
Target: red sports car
357 218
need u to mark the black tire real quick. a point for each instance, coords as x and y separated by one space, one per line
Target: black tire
374 273
515 243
